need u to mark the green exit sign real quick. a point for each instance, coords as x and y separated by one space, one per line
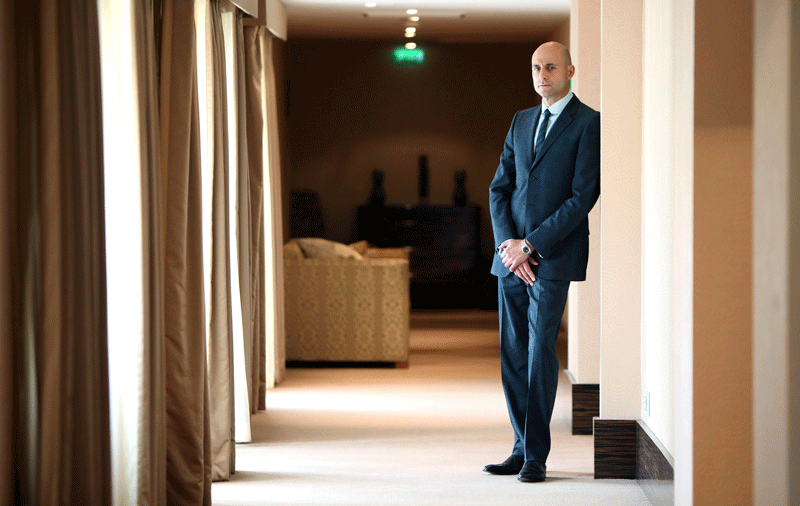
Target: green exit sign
412 56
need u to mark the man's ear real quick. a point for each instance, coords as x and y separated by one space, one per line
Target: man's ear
571 71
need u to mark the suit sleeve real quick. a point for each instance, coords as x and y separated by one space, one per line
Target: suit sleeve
501 190
585 192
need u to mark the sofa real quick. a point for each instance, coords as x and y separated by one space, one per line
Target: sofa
346 303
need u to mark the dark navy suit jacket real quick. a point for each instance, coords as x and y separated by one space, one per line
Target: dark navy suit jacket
547 200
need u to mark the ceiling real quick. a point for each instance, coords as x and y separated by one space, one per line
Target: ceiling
440 20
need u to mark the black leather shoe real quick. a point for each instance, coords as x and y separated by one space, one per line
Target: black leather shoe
512 465
532 471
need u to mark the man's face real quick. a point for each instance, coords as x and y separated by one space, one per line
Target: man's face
551 74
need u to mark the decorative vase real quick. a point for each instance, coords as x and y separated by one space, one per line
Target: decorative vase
378 195
460 192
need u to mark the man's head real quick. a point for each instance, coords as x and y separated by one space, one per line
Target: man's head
551 68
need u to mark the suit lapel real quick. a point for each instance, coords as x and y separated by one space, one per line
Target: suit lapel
562 121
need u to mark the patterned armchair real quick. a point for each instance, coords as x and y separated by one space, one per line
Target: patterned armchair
346 303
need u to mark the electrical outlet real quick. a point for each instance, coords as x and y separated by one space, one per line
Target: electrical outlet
647 403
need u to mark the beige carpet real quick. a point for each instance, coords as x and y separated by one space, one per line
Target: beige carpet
416 436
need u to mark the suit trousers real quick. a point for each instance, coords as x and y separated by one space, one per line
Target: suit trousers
530 318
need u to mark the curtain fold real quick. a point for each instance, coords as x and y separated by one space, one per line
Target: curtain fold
276 352
52 260
187 389
10 459
7 218
151 459
240 237
255 349
220 327
244 213
267 350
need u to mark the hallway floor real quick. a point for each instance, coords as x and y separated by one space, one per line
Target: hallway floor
416 436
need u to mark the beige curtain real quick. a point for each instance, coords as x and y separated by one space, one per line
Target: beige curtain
151 451
53 288
276 349
8 205
240 213
266 280
187 394
123 243
135 253
220 328
255 344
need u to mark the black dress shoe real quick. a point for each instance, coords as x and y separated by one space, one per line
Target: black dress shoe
512 465
532 471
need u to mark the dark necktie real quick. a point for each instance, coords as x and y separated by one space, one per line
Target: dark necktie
540 135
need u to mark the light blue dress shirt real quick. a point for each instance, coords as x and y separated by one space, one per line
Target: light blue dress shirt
555 110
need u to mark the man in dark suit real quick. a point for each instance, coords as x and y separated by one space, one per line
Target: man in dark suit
546 184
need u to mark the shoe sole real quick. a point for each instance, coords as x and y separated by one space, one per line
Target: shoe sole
501 473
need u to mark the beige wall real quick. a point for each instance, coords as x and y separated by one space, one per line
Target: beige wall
351 111
584 298
621 213
776 254
659 127
722 415
563 33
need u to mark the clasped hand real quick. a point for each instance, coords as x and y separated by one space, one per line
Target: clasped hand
518 262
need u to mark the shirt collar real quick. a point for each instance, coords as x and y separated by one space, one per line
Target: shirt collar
559 106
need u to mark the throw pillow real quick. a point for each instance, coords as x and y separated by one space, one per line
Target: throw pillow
314 247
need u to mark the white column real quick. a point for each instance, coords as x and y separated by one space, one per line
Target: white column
683 29
776 254
621 214
584 297
661 123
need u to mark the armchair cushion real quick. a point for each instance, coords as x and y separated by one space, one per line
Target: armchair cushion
314 247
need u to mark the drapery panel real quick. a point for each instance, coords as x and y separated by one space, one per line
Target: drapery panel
53 288
8 234
187 393
276 349
240 213
134 251
152 449
54 438
255 340
220 326
266 282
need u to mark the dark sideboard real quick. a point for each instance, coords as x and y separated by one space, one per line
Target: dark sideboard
444 252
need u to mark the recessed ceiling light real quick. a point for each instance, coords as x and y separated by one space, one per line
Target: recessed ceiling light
414 18
410 34
370 4
412 11
411 29
411 45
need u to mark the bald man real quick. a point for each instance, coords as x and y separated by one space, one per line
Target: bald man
547 182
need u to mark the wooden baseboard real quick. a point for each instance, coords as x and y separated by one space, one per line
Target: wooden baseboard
614 449
628 449
585 407
654 467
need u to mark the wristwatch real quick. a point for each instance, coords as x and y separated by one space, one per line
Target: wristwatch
525 248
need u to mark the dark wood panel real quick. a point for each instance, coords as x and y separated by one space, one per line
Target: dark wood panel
585 407
444 257
339 364
615 449
654 467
